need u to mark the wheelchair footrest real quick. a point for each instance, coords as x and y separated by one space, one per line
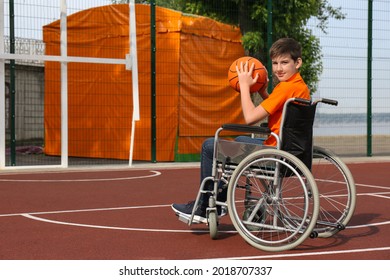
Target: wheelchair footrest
183 219
187 219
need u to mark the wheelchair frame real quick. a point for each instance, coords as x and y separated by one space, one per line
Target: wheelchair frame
274 199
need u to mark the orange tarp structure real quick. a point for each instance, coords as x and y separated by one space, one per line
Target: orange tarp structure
193 98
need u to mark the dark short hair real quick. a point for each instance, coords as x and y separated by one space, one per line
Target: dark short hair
286 46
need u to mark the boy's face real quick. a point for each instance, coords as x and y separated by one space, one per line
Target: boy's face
284 67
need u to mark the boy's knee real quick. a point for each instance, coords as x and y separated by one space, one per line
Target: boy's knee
209 142
208 145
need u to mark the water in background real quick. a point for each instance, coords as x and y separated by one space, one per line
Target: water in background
350 124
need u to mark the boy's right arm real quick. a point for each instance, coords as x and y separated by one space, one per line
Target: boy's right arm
251 113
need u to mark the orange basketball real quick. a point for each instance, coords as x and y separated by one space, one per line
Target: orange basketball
259 68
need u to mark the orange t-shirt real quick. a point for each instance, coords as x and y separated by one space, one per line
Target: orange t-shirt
293 87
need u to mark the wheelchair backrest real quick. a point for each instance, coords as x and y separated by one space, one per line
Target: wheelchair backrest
297 131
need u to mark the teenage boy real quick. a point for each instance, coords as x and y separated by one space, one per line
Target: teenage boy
286 57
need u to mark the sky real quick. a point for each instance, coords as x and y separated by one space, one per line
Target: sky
26 12
345 57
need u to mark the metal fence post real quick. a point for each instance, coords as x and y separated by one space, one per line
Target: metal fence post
153 78
369 80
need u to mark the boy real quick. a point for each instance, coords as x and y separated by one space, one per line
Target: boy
286 56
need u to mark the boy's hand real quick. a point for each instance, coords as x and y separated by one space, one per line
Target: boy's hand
245 76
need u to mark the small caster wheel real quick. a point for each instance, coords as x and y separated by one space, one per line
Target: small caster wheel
213 224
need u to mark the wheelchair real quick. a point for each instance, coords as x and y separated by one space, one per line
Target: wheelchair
279 196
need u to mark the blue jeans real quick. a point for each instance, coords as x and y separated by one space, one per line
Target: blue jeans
206 160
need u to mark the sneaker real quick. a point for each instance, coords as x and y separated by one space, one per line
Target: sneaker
185 210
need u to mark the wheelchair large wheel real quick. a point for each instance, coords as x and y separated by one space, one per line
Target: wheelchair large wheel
337 192
273 200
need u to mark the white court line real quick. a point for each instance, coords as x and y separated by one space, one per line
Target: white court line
155 173
372 186
109 227
228 258
369 225
356 184
379 196
85 210
308 254
32 216
275 256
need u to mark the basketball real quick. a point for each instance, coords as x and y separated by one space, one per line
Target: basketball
259 68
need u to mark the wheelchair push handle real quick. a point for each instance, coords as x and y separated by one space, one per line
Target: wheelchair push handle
323 100
330 101
302 101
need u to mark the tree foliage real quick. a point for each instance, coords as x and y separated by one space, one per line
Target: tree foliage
289 19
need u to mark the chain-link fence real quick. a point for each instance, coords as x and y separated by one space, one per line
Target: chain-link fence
184 95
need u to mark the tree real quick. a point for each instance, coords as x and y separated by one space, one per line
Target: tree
289 19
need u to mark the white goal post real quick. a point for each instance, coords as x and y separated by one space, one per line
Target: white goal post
130 62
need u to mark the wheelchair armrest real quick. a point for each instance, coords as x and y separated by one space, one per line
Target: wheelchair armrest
246 128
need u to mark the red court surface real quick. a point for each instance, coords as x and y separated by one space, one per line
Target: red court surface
125 214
